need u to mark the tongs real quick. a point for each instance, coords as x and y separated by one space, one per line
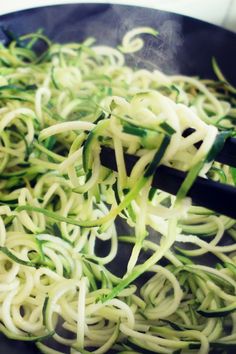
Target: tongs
212 195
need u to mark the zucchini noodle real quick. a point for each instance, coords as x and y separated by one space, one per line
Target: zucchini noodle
66 221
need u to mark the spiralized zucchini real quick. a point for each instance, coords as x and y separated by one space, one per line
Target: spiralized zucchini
60 209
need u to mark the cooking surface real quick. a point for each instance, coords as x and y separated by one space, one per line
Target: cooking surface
219 12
